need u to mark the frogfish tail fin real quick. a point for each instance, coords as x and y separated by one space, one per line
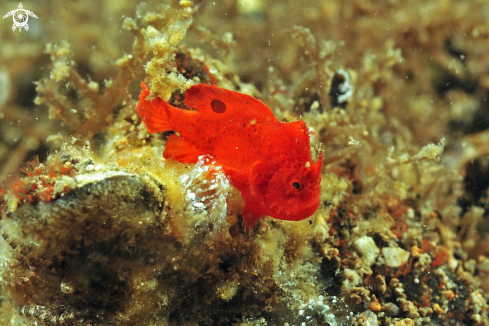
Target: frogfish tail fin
155 113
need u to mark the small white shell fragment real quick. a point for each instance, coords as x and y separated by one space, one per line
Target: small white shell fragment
367 249
395 257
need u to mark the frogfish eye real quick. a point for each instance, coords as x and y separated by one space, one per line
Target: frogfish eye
296 184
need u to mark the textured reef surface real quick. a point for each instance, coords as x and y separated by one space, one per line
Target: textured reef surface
98 229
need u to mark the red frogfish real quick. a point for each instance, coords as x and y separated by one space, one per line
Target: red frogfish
268 161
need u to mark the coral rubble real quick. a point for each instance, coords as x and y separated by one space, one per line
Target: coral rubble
101 230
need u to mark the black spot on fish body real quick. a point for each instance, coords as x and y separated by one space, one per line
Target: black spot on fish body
218 106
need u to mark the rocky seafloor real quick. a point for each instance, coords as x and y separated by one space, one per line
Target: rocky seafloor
97 228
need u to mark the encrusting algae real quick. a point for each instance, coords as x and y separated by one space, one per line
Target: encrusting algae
104 231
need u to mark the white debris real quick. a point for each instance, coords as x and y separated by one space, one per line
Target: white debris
345 88
395 257
432 151
367 249
353 142
206 188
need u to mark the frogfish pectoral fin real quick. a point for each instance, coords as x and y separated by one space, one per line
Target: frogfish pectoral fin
179 149
249 217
